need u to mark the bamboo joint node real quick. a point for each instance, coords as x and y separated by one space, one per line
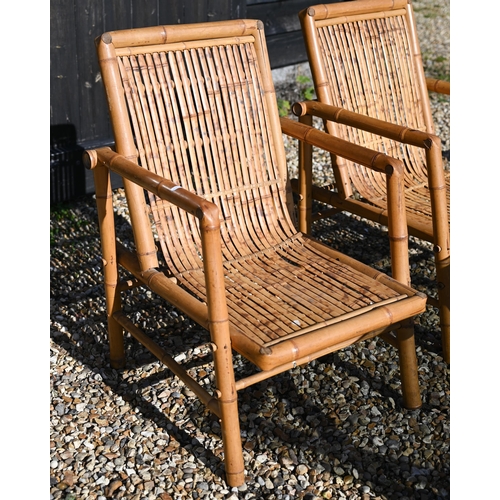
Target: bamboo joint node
107 38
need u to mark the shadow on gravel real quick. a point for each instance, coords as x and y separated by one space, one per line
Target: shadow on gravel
296 420
329 438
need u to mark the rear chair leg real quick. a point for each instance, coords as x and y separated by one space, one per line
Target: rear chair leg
408 366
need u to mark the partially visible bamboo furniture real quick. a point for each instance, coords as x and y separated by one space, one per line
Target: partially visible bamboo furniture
371 89
196 125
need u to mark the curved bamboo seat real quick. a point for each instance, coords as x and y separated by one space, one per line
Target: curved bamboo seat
371 90
196 126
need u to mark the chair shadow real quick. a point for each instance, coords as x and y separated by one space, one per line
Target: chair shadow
88 241
328 440
89 291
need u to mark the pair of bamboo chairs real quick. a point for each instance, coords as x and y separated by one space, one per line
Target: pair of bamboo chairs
371 89
199 145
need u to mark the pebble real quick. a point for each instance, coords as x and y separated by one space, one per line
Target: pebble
332 429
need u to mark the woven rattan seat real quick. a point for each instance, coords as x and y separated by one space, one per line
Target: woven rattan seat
196 127
371 90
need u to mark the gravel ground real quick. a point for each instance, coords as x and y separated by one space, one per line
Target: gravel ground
333 429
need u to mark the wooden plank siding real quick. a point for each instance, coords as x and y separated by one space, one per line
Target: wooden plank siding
77 100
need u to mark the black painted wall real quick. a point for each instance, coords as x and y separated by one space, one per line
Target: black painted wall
78 111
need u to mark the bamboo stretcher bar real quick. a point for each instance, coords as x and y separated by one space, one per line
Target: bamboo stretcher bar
208 400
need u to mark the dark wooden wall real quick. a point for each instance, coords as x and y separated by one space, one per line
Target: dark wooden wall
78 111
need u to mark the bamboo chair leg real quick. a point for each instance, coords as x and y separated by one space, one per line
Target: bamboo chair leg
231 437
115 330
408 366
229 417
443 275
437 187
108 243
228 406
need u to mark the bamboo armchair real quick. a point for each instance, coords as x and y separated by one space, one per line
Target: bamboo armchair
199 146
371 89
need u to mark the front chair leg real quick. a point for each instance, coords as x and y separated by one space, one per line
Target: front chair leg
231 438
104 201
227 396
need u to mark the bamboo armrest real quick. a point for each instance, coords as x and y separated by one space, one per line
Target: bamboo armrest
366 123
205 211
340 147
429 142
439 86
391 167
163 188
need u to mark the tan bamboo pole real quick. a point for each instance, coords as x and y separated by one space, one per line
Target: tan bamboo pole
161 35
437 188
443 276
373 125
304 204
408 365
320 12
338 333
351 151
322 85
398 238
439 86
270 97
125 145
104 201
417 55
164 188
398 227
219 330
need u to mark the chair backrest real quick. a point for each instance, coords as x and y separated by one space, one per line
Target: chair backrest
196 105
365 57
